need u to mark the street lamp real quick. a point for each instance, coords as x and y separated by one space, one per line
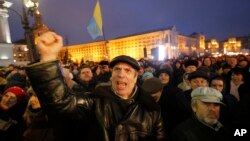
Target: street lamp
32 6
29 7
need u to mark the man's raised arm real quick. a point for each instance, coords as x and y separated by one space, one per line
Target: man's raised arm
48 46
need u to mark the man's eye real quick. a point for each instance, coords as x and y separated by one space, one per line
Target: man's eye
128 70
117 69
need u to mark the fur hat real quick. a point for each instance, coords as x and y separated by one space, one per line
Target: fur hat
197 74
191 63
104 63
125 59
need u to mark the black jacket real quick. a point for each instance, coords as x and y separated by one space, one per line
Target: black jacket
193 130
138 118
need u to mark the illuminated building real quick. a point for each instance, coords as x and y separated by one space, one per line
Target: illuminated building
95 51
213 46
188 45
232 46
200 42
245 44
20 54
137 46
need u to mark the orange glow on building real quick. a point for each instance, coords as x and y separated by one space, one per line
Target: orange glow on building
232 45
137 46
213 46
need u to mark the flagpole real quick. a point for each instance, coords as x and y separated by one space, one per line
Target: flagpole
103 33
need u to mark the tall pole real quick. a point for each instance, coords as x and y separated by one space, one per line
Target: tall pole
29 36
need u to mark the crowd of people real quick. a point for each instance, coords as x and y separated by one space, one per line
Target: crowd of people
182 99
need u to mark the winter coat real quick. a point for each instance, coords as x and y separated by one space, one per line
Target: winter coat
193 130
112 118
12 125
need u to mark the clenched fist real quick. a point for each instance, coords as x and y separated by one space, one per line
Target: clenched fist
49 45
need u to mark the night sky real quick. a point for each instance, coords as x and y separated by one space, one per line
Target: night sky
215 18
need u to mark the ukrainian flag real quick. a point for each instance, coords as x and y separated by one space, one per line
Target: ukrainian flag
95 24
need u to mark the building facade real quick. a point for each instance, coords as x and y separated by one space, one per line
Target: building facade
138 46
213 46
232 46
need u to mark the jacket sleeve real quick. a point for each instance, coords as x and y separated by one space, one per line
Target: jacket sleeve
55 97
159 128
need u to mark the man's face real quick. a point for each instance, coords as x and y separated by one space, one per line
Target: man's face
217 84
207 62
104 68
86 74
141 71
198 82
190 69
8 100
123 79
233 62
207 112
236 78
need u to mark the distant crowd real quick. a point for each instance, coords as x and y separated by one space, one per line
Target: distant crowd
171 83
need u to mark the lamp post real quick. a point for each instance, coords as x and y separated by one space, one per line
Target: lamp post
29 37
29 8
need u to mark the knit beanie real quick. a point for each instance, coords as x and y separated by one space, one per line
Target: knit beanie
147 74
19 92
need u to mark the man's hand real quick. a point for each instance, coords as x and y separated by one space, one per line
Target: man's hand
49 45
34 102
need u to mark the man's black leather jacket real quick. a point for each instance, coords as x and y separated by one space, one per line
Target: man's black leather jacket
141 121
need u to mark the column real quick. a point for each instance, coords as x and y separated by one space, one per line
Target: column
4 27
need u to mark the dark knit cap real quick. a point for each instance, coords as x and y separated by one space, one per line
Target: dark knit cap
125 59
152 85
191 63
104 62
18 77
197 74
204 68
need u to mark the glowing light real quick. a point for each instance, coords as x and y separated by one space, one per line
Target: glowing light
4 57
26 49
162 52
29 3
7 4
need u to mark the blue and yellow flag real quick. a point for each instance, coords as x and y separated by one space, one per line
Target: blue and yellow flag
95 24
